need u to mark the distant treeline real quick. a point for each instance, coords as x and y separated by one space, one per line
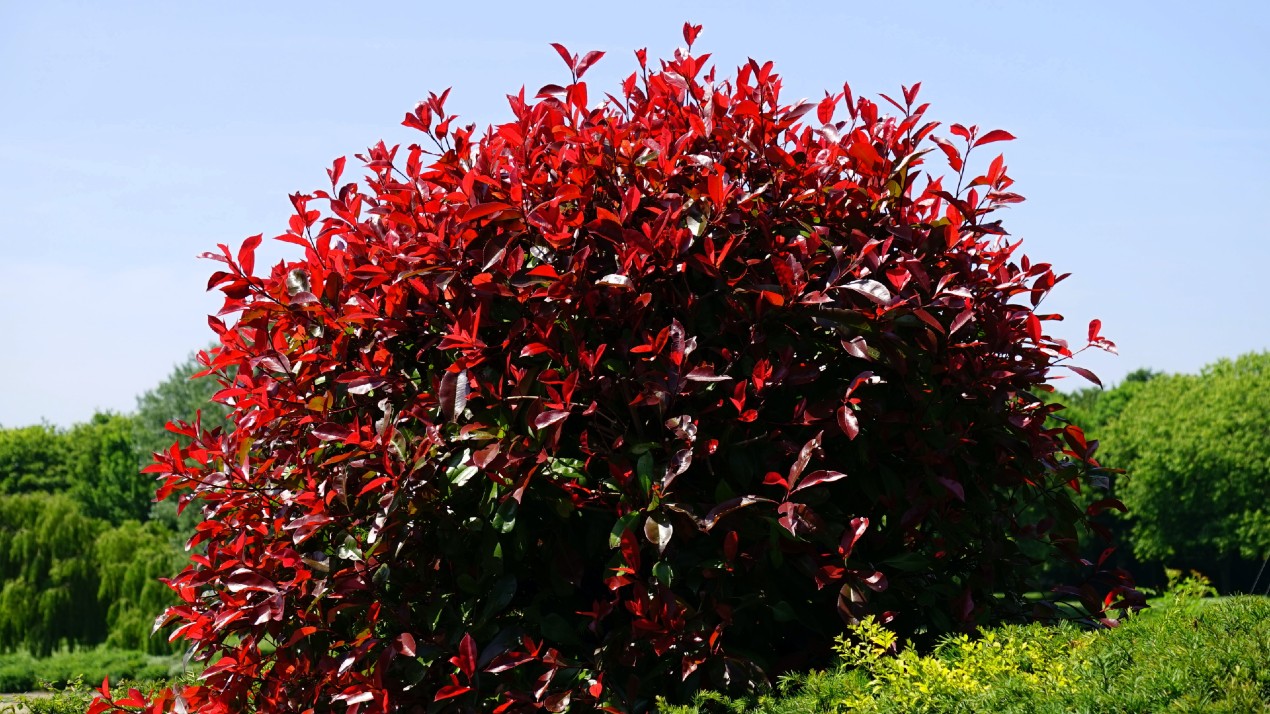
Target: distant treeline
82 544
1195 451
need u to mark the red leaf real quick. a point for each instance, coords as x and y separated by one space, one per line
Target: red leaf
546 419
1085 373
856 347
962 318
467 656
134 698
1095 328
994 135
816 478
774 479
910 93
450 691
305 527
872 289
453 393
534 348
330 431
876 581
848 422
406 644
1034 328
336 170
804 457
690 33
589 59
508 660
706 374
1103 504
954 487
247 254
858 527
481 210
569 60
733 504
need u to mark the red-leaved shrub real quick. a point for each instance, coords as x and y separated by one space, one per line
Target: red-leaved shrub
619 399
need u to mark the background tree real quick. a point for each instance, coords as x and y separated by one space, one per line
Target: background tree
33 458
1197 454
48 575
104 469
131 560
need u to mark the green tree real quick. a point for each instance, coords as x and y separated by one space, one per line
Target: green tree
32 458
1092 408
104 469
131 559
48 595
1197 452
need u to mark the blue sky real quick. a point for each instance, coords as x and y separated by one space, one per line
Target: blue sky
136 135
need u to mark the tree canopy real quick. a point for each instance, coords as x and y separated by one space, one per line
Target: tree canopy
1196 451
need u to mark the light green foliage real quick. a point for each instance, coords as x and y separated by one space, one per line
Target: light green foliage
1197 452
1186 654
961 670
77 566
49 580
20 672
131 559
67 579
1093 408
32 458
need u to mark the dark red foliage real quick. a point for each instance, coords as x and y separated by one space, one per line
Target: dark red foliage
623 398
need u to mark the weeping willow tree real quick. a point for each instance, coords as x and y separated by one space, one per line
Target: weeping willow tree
131 559
50 580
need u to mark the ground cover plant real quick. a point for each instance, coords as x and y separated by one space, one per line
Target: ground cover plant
1184 654
627 396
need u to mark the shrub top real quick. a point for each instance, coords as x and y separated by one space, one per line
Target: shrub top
619 398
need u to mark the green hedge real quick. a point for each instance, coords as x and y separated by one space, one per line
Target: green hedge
1185 655
23 673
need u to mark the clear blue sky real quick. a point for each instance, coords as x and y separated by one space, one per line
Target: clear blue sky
136 135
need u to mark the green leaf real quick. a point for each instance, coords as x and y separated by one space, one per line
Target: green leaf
349 550
663 572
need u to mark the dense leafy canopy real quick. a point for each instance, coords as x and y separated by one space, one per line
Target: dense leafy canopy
105 474
1196 452
49 580
621 399
32 459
